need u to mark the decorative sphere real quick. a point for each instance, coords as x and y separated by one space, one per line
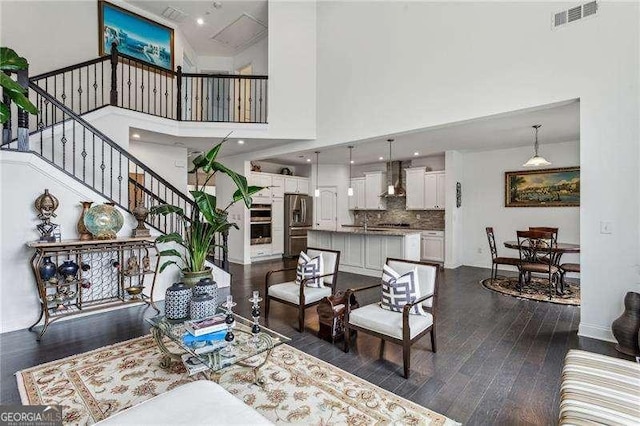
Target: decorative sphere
255 329
229 319
255 312
229 337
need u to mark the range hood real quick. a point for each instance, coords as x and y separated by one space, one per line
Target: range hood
394 169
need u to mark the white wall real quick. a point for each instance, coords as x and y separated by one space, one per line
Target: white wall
215 64
170 162
62 33
483 202
338 176
454 238
257 55
19 305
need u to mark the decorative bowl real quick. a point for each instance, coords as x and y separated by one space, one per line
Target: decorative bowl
134 291
104 221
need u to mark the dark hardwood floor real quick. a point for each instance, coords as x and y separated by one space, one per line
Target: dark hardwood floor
499 359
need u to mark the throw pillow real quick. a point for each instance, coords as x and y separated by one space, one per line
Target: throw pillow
310 268
398 290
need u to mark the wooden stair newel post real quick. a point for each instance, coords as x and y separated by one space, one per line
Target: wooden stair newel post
113 98
23 116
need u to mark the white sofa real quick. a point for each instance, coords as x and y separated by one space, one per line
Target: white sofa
598 389
197 403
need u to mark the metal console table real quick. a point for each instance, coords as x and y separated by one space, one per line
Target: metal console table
110 273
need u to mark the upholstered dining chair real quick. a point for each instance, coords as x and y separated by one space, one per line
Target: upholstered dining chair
495 259
567 267
300 295
401 328
533 247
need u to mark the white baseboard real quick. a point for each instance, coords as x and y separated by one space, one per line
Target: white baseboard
596 332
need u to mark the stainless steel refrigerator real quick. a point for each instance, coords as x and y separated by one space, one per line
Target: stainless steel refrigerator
298 219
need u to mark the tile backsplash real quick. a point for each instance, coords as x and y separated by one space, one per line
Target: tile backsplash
397 213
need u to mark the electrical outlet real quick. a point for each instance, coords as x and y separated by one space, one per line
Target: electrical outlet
479 250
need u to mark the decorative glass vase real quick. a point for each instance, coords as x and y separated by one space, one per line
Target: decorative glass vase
104 221
68 269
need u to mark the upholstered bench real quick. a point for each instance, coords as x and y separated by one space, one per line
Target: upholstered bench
197 403
597 389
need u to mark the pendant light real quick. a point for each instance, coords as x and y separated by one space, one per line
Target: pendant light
390 189
536 160
316 193
350 190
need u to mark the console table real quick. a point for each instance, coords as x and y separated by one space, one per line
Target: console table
109 273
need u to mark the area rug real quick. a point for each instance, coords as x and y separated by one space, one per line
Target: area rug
536 289
298 388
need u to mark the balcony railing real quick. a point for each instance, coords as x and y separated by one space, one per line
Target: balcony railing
126 82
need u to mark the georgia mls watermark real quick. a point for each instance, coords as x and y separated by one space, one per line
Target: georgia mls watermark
30 415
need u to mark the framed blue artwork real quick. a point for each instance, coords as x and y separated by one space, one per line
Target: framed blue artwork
135 35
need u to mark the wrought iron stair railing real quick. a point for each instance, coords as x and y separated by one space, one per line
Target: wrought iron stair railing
68 142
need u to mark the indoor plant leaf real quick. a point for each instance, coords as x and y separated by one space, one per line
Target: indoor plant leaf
165 209
207 205
11 61
173 237
10 85
251 190
4 113
167 264
170 252
22 102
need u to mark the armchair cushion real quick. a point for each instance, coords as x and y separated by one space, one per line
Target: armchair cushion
290 292
373 317
426 277
308 268
398 290
330 263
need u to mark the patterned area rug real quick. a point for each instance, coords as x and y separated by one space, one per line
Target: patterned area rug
537 289
298 388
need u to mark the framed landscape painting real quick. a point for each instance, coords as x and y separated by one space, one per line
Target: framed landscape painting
135 35
543 188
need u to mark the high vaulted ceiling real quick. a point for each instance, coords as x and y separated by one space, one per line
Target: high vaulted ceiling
215 18
560 123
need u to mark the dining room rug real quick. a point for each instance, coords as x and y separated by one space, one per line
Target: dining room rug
298 388
536 289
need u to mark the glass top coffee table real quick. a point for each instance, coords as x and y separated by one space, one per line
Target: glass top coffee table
245 344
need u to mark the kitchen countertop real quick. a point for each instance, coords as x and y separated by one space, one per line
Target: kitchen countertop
373 231
385 228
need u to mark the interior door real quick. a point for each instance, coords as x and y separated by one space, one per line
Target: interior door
243 86
327 209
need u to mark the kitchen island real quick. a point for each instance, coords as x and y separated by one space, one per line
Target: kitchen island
365 252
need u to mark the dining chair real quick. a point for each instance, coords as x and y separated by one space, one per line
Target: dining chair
554 232
403 328
567 267
534 246
495 259
299 294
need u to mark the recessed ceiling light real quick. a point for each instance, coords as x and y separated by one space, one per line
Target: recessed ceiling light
381 158
352 161
136 135
240 142
200 21
308 160
416 153
217 4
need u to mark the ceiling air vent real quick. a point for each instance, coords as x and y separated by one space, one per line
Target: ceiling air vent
174 14
241 33
575 14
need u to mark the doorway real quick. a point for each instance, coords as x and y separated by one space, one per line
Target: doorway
327 208
243 87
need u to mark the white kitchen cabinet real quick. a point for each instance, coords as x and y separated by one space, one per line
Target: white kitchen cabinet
434 190
415 178
261 179
432 246
277 226
277 187
374 186
296 185
356 202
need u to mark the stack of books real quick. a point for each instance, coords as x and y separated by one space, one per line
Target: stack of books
205 335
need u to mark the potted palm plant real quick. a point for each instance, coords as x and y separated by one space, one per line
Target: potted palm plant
205 220
11 62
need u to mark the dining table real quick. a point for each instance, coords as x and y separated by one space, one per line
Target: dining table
557 249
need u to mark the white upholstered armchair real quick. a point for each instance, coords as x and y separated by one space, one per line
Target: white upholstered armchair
402 328
299 294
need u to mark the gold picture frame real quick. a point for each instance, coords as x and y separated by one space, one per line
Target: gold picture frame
559 187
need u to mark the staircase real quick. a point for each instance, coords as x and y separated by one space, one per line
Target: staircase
62 137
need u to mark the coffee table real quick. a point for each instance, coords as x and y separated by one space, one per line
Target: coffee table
245 345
